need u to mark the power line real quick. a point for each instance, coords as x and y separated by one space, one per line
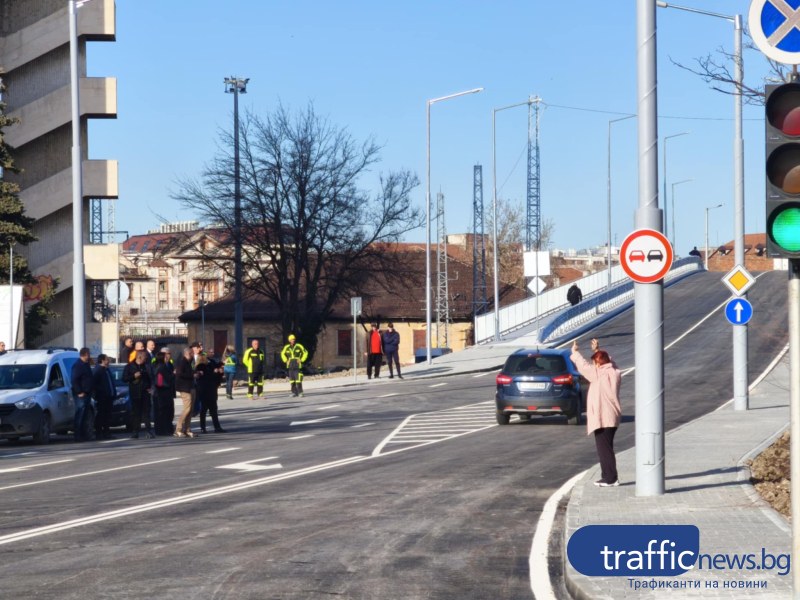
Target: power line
624 114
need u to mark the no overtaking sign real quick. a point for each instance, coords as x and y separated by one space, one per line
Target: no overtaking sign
646 256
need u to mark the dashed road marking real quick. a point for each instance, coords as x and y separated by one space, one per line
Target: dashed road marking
327 407
26 467
221 450
311 421
362 425
389 395
301 437
250 465
482 374
435 385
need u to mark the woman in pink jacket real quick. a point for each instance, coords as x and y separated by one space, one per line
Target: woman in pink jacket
602 407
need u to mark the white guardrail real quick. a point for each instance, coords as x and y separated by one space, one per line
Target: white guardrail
559 316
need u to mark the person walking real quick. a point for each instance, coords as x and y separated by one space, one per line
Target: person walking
103 391
163 393
602 407
208 377
391 347
254 360
294 355
574 294
81 380
137 376
374 352
230 364
184 385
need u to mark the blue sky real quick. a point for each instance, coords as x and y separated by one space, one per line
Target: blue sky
371 66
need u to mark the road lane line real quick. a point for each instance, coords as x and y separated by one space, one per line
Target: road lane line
221 450
301 437
362 425
483 374
154 462
389 395
437 385
249 465
25 468
260 418
311 421
20 454
327 407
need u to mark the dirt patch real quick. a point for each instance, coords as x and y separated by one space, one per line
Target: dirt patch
770 475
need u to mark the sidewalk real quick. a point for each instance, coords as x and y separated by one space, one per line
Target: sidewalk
707 486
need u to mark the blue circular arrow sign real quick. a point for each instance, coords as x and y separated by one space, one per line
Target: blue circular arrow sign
738 311
775 29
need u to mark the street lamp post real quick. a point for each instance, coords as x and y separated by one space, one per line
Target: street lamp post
236 86
11 339
608 254
741 398
664 175
705 258
428 218
674 230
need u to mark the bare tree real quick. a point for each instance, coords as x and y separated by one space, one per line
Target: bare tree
311 236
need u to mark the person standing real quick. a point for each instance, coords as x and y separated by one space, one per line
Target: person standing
208 376
374 352
391 347
254 360
103 391
137 376
163 393
230 365
184 385
125 350
602 407
2 348
574 294
137 347
81 380
294 355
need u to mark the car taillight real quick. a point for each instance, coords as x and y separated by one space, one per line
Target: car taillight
562 379
503 379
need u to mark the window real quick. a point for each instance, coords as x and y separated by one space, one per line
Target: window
183 286
182 266
162 286
162 305
183 305
56 379
345 342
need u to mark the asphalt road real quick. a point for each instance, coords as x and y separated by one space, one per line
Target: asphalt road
404 489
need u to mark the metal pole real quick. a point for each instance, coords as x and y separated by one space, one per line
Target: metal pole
78 270
664 175
238 310
11 341
355 348
608 255
705 256
494 230
794 402
648 297
740 392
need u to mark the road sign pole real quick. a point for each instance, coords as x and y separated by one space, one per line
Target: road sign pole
648 297
794 402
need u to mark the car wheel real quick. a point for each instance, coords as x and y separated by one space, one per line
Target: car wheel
42 435
502 418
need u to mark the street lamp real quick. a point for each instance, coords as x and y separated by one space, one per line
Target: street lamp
664 169
708 208
11 339
236 86
78 268
674 231
428 219
608 255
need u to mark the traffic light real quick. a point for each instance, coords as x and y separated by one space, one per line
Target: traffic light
782 120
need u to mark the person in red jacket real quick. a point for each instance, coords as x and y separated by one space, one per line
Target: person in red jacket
374 352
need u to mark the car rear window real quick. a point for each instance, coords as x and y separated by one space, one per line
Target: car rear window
535 364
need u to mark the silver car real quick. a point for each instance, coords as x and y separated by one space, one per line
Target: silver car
35 393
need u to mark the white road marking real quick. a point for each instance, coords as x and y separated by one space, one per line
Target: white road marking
301 437
389 395
249 465
221 450
482 374
20 454
327 407
154 462
25 468
114 441
260 418
311 421
362 425
435 385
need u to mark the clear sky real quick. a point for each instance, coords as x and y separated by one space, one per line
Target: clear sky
371 66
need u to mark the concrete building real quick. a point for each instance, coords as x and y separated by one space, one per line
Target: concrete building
35 67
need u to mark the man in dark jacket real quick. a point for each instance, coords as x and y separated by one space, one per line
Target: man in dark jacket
81 380
103 391
391 347
137 376
574 294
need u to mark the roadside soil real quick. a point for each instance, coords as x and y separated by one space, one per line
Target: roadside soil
770 475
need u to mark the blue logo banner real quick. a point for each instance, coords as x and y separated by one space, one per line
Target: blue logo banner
634 550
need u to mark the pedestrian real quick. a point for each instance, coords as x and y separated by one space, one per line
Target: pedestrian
184 385
374 352
231 362
208 378
81 380
602 407
2 348
391 347
137 347
254 360
125 350
197 350
104 391
574 294
694 252
150 346
163 393
294 355
137 376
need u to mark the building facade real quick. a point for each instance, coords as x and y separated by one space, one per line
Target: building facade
35 68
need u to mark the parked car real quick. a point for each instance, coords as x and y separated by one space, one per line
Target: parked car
35 394
121 407
540 382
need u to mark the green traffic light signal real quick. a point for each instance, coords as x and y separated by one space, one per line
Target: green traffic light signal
784 228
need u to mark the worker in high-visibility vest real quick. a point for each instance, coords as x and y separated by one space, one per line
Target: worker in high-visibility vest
255 362
294 355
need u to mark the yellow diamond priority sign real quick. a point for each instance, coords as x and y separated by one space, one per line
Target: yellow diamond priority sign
738 280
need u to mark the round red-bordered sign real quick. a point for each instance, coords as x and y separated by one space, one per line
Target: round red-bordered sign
646 255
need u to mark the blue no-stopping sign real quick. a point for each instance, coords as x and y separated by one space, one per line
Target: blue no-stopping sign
775 29
738 311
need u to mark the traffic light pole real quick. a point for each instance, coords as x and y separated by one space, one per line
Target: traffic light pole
648 297
794 402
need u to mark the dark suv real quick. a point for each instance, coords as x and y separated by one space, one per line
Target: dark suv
539 382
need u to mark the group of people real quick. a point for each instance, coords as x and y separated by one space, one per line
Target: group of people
380 344
294 356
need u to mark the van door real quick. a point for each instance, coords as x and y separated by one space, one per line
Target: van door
60 399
